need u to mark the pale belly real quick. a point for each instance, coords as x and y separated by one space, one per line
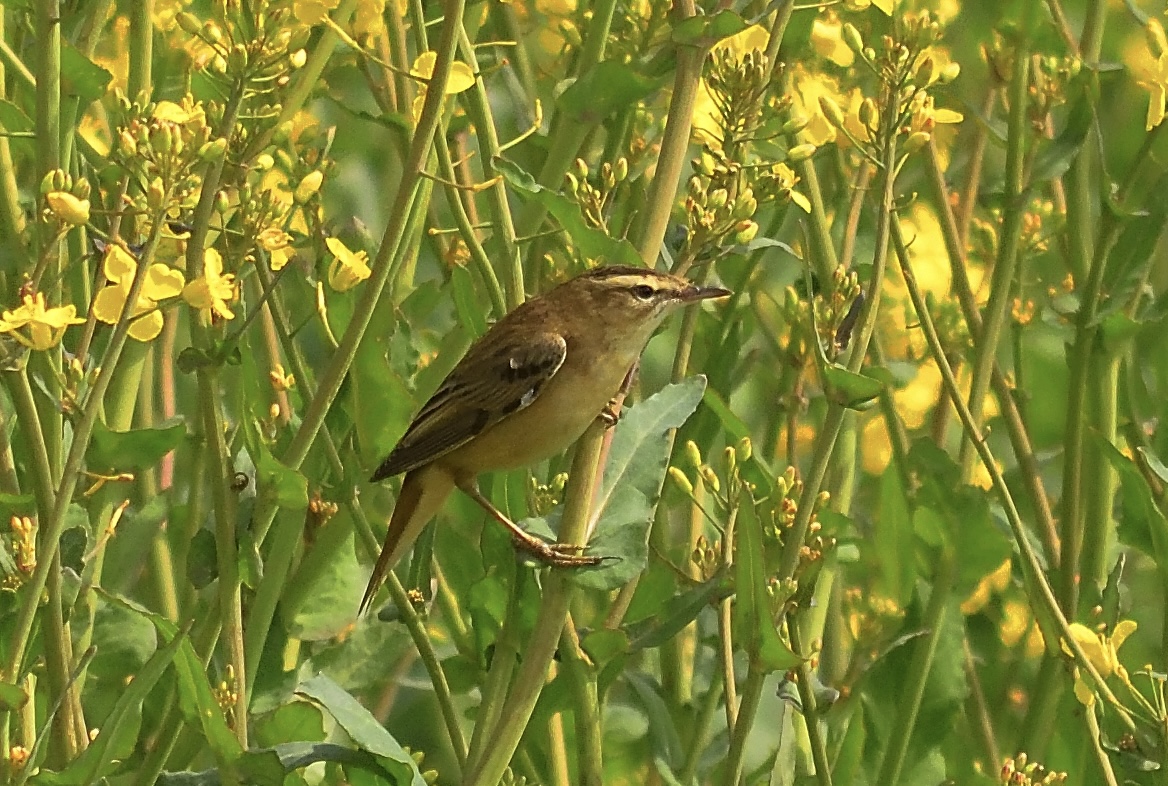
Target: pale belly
557 418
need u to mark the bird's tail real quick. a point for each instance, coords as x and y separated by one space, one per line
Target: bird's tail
422 494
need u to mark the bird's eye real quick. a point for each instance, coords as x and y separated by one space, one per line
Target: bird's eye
643 291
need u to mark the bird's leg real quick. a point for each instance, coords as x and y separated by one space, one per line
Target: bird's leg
610 415
558 554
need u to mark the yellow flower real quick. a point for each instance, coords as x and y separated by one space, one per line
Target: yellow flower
45 325
348 269
1102 649
809 87
1156 83
170 112
461 78
161 283
369 18
825 37
707 120
67 207
312 12
995 581
278 244
214 289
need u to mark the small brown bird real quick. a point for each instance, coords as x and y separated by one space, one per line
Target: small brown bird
527 389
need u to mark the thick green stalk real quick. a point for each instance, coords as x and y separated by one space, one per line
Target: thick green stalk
549 624
585 707
1102 411
810 712
1006 264
925 649
11 216
751 696
674 144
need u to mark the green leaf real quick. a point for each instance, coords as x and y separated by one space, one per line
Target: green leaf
287 486
1153 463
592 243
628 495
471 315
361 726
294 756
321 599
12 697
202 563
849 389
608 87
123 451
754 623
705 31
119 731
1142 525
663 736
81 77
13 120
1054 158
677 612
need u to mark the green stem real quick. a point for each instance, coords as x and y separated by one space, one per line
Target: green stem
12 221
586 706
1037 586
743 722
924 651
1006 264
701 730
549 623
674 144
810 712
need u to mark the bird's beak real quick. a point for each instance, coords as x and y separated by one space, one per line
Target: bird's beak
695 293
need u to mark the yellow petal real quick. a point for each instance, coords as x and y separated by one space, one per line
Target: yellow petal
884 5
119 265
171 112
147 327
947 116
1083 692
461 78
68 208
424 64
801 201
1123 629
162 282
108 304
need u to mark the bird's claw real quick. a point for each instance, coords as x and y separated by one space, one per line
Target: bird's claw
560 555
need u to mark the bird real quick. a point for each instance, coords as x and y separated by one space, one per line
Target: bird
525 390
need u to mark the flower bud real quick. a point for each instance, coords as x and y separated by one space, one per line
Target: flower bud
213 151
622 169
126 144
706 164
679 477
237 59
81 188
710 478
926 72
800 153
264 162
869 114
67 207
745 449
308 186
851 36
831 110
693 454
222 203
745 231
189 23
581 169
696 190
718 198
573 183
795 124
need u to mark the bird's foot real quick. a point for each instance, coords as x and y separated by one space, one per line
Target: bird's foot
560 555
610 415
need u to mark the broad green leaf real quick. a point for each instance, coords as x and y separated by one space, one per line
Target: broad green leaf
119 731
625 504
754 623
608 87
1143 524
321 599
13 120
592 243
663 736
1054 158
1153 463
296 721
118 451
361 727
81 77
471 314
197 701
294 756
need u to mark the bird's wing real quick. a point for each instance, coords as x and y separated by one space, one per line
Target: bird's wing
487 385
